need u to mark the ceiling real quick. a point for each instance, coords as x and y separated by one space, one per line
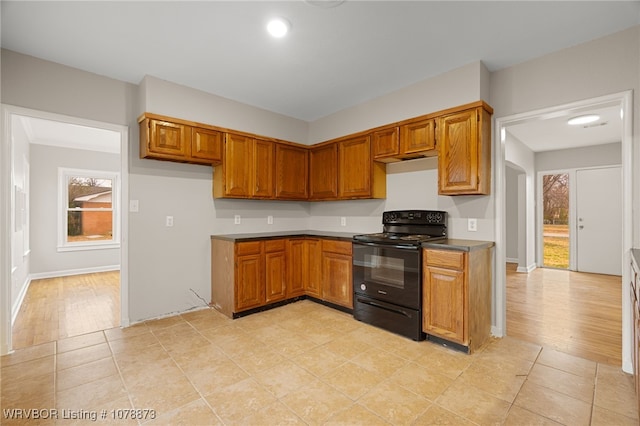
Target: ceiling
333 58
65 135
550 134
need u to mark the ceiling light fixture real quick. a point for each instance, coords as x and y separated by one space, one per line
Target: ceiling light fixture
325 4
278 27
583 119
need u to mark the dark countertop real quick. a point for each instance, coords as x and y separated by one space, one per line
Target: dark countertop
460 245
449 244
346 236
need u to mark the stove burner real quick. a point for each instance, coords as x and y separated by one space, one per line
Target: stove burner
409 227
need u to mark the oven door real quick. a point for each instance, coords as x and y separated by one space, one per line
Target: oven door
388 273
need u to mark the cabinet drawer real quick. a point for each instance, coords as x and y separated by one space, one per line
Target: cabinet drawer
333 246
274 245
445 258
251 247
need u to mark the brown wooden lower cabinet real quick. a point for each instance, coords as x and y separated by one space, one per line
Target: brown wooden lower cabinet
304 265
456 294
251 274
337 279
275 267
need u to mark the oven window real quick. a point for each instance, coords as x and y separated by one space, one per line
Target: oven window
384 270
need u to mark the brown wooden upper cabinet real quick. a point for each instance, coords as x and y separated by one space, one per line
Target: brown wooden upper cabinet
247 169
163 139
464 149
323 172
358 175
345 170
292 172
413 139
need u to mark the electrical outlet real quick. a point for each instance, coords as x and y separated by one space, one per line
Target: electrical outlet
169 221
472 224
269 220
133 206
236 219
343 221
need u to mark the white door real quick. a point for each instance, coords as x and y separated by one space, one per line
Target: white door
599 220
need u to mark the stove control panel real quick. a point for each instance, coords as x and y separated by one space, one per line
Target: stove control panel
414 217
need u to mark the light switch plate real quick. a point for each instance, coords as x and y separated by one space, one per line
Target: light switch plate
343 221
133 206
269 220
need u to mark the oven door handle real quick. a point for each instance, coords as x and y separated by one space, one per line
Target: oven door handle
381 306
387 245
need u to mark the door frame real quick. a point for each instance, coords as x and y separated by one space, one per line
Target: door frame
624 99
6 176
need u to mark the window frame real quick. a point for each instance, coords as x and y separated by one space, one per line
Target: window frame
64 174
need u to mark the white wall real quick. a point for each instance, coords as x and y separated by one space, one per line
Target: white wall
20 254
410 184
512 212
599 67
523 158
575 158
45 258
456 87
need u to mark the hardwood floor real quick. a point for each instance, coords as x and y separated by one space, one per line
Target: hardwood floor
572 312
56 308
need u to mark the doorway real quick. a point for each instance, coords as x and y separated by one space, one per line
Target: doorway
623 102
54 140
555 220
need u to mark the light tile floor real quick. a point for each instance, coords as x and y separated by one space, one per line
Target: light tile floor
304 363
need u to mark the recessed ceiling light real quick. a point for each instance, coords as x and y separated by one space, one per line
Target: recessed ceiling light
583 119
278 27
326 4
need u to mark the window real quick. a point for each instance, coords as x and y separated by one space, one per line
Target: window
555 205
89 207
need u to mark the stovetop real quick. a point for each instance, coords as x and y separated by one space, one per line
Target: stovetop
408 227
397 239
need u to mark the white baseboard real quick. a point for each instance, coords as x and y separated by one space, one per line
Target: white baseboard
512 260
15 308
527 269
68 272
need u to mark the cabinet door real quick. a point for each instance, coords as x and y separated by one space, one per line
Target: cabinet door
313 283
292 172
458 162
262 169
443 304
418 137
297 269
249 282
323 177
238 165
385 143
206 145
354 168
275 276
171 140
337 286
